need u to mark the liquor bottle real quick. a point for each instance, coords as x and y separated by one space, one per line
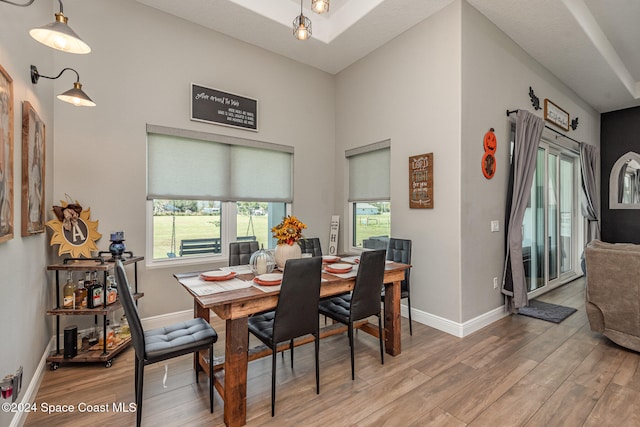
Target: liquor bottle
68 292
112 293
81 295
125 332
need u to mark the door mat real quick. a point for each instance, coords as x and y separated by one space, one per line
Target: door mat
547 311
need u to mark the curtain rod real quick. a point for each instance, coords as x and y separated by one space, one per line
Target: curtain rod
551 129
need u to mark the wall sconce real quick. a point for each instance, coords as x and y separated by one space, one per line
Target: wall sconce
301 26
75 96
57 34
320 6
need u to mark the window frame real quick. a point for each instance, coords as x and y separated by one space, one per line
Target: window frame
351 228
228 208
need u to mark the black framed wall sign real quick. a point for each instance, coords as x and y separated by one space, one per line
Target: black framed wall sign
222 108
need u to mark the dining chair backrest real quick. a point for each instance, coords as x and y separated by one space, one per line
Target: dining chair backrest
297 309
365 300
311 245
130 310
399 250
240 252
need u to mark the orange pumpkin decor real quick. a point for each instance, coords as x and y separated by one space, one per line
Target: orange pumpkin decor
488 159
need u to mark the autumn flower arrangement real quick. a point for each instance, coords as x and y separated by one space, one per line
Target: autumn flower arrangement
289 230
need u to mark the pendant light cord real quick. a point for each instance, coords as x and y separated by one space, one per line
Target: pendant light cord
29 3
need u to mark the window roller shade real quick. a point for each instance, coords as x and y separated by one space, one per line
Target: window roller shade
182 168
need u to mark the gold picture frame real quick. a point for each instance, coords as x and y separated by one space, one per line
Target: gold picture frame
33 171
6 156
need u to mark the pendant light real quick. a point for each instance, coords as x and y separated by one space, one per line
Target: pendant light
320 6
75 95
301 26
58 34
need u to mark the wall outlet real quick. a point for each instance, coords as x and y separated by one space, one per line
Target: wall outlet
495 283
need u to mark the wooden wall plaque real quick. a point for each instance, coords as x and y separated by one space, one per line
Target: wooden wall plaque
421 181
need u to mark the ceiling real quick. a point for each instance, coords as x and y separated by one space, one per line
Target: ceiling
590 45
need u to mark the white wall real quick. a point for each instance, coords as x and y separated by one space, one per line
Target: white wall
409 91
141 74
496 75
25 294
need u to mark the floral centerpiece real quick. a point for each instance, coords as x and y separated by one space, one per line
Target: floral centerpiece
288 232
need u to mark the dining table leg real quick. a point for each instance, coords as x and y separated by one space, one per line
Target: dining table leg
392 329
235 371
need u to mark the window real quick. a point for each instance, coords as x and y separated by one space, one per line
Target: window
369 196
207 190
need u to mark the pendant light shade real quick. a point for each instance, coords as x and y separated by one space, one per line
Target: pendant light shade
75 95
59 35
320 6
301 26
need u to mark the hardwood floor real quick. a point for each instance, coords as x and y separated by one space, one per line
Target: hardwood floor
518 371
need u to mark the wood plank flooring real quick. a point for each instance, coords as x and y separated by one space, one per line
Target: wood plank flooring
518 371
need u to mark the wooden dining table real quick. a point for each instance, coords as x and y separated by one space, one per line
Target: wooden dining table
235 307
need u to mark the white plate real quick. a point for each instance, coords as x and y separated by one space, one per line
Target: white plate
340 267
330 258
216 273
270 277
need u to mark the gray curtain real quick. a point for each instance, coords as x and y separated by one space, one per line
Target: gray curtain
528 131
589 158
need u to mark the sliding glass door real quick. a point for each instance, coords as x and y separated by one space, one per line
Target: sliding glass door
550 231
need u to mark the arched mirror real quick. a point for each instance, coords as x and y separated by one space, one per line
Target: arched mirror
624 182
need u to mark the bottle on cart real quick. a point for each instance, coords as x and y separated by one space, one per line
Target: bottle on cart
125 332
81 295
95 297
68 292
112 293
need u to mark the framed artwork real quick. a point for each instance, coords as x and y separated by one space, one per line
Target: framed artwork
556 115
6 156
33 161
421 181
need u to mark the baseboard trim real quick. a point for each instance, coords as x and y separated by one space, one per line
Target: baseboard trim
459 330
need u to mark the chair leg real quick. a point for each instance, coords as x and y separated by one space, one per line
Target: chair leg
353 374
139 383
291 348
211 379
409 307
317 336
381 339
197 367
273 380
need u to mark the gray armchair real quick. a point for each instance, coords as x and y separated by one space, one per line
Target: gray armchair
613 289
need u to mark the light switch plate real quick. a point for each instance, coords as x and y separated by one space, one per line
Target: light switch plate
495 226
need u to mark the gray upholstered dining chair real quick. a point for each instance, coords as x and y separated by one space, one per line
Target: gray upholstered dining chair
296 314
364 301
311 245
240 252
399 250
160 344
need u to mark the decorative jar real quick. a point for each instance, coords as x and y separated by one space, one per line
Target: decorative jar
261 262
